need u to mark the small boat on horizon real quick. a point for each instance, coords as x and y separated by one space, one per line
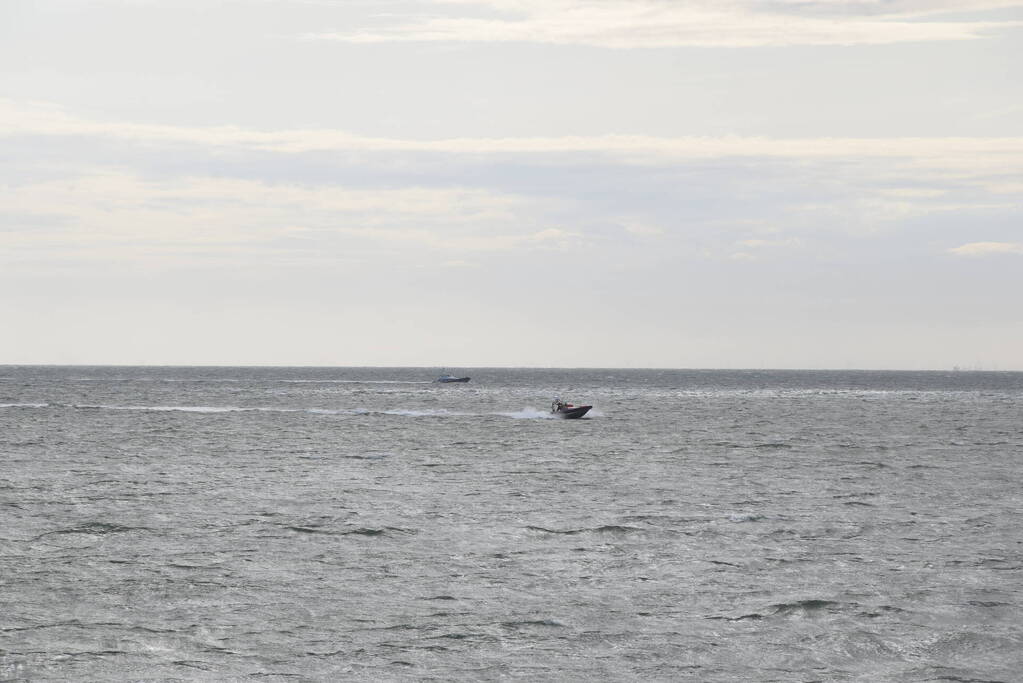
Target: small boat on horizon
449 379
567 411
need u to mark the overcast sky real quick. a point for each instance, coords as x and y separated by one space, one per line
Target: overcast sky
623 183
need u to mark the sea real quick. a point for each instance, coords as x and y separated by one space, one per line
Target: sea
370 524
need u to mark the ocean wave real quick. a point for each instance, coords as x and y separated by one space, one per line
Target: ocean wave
746 517
177 409
219 380
24 405
796 608
527 623
263 409
606 529
351 381
358 531
805 607
175 380
420 413
94 529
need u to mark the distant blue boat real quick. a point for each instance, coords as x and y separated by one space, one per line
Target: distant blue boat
448 379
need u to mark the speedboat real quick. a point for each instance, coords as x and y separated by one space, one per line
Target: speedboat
568 411
448 379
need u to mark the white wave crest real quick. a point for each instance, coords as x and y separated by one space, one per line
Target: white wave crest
179 409
264 409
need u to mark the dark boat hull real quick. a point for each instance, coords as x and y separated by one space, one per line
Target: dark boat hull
452 380
573 413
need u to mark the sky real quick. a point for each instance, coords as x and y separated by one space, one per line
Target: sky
550 183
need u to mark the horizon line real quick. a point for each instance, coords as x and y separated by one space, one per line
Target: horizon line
953 369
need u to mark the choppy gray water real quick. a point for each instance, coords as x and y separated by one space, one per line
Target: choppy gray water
366 524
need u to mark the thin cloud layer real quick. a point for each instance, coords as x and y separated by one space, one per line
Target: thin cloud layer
743 199
17 119
988 248
99 213
626 24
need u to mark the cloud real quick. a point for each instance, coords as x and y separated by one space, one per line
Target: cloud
988 248
660 24
756 249
104 212
481 241
637 227
742 256
912 192
776 243
955 153
1005 188
317 195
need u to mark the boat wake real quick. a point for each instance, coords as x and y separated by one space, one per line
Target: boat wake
527 413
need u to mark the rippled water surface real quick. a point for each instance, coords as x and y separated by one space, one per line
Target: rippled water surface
369 524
